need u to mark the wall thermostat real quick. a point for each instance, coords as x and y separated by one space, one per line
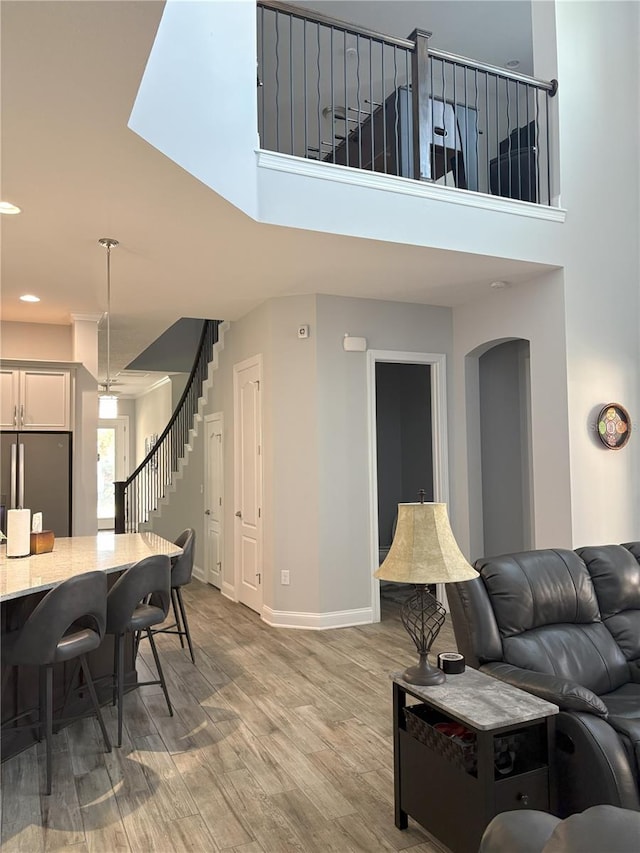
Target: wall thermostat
303 331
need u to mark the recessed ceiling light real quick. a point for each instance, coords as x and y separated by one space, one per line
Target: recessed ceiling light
512 63
29 297
500 285
7 207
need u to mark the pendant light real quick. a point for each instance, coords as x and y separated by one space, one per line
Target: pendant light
108 402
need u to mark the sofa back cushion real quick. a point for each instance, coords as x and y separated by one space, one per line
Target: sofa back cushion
548 617
615 573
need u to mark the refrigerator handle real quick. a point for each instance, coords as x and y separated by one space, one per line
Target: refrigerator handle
14 478
21 476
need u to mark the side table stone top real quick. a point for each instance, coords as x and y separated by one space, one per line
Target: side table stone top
479 700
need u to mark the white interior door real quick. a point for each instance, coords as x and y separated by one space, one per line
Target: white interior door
247 380
214 489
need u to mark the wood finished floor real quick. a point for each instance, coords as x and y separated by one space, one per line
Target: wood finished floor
281 741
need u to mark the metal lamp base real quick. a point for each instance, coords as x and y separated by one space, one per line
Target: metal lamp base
423 616
424 674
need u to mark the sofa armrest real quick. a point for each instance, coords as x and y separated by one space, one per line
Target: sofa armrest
521 831
567 695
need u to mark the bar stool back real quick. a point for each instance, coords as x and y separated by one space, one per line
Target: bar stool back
68 623
181 571
131 609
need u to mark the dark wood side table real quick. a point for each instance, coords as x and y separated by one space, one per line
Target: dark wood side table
454 788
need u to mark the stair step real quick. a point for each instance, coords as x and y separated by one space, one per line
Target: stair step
198 418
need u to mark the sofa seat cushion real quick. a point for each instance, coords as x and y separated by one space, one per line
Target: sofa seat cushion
623 705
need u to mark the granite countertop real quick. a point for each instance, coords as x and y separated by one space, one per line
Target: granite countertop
76 555
481 701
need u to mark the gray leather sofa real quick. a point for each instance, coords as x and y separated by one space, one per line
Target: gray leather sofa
565 625
600 829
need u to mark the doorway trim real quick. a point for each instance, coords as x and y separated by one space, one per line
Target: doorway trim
439 442
122 449
254 361
215 418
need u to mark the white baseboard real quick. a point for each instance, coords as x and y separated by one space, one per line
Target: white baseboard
198 574
229 591
317 621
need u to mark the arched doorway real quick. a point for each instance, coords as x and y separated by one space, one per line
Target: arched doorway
499 395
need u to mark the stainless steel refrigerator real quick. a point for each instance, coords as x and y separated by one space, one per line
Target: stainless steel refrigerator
35 474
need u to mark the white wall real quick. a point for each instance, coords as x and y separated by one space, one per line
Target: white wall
600 92
197 100
85 446
153 411
128 407
84 341
582 322
35 341
340 200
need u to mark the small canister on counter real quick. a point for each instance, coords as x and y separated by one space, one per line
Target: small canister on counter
451 663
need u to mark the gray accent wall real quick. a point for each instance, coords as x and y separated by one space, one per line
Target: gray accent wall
315 443
504 448
343 451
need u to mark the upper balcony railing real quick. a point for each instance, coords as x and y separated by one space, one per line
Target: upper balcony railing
338 93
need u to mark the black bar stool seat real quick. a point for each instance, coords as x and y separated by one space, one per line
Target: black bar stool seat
68 623
70 646
144 616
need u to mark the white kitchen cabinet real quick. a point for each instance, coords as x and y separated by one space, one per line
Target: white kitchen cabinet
35 399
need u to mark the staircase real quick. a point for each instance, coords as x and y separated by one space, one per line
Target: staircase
150 485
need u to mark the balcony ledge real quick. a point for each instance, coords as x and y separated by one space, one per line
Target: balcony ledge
292 165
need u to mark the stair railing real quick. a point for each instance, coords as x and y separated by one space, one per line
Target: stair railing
139 495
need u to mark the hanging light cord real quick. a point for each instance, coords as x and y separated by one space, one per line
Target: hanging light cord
108 243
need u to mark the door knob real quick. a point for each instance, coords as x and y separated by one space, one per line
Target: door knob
207 512
238 514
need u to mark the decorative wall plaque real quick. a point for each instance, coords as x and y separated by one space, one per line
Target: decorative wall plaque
614 426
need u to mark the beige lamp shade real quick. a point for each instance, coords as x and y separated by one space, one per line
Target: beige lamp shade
424 549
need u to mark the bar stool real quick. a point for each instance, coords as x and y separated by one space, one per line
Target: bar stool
68 623
181 571
132 610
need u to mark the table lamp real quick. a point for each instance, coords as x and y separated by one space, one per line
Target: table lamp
424 551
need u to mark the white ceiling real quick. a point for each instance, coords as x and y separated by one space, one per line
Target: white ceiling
493 31
70 72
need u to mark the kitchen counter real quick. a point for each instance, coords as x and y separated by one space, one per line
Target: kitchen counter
24 581
74 555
